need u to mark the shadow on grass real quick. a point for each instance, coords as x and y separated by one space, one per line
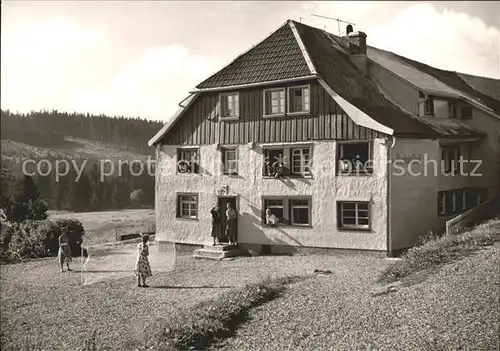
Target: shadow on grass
191 287
101 271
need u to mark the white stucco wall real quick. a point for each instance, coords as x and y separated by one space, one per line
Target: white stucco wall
413 196
325 189
487 151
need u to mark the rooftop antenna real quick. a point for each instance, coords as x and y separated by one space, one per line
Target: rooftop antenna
335 19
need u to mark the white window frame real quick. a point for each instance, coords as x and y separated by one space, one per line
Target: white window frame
354 171
225 169
270 114
284 155
356 215
237 109
289 99
181 201
304 166
194 164
308 206
282 207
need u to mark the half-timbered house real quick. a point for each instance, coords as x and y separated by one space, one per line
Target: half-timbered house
298 125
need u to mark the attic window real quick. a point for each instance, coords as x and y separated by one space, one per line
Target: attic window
429 106
274 101
466 112
229 105
452 109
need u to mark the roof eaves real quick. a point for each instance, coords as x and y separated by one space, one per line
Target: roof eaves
178 114
257 84
303 49
358 116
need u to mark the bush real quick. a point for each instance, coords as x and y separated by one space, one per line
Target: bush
36 239
436 250
5 235
74 229
30 239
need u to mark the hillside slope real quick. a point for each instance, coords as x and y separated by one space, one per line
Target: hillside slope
454 309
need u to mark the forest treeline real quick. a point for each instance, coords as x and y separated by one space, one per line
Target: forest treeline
50 129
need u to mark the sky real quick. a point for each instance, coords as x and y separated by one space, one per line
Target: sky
141 58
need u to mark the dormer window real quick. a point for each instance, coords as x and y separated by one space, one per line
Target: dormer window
452 109
274 102
229 105
298 99
429 106
466 112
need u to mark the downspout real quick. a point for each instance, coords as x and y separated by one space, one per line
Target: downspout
389 192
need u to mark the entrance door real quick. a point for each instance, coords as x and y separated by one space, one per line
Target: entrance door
222 203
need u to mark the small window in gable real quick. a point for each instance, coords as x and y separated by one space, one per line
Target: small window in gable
429 106
229 105
298 99
274 101
452 109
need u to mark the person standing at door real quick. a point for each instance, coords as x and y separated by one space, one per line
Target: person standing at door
216 224
231 224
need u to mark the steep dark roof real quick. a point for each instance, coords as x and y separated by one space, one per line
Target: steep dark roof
280 57
277 57
335 67
454 80
487 86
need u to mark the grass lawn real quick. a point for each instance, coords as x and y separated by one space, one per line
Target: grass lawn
52 310
102 227
450 306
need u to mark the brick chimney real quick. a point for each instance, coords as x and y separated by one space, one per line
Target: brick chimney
357 49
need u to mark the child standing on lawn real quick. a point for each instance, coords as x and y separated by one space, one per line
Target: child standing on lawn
64 254
142 269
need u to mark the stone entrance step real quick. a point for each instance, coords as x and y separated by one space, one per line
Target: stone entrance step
217 252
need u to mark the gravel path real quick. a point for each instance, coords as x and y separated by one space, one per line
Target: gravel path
49 310
457 308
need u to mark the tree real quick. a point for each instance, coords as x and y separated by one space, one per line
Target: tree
137 198
25 203
81 194
121 194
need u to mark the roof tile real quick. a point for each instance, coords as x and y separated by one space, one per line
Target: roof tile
277 57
